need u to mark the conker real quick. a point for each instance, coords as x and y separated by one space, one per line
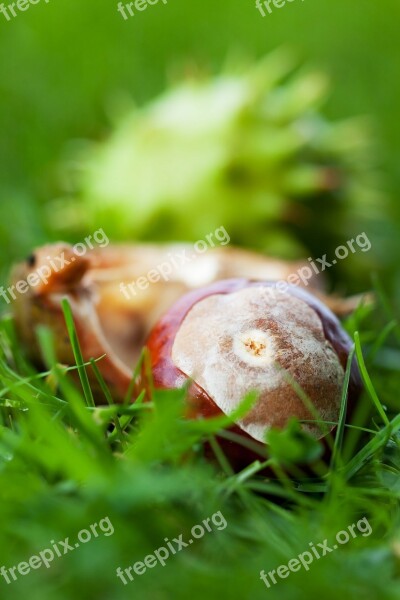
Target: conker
237 336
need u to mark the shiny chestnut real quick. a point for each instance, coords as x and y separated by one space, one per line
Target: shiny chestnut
238 336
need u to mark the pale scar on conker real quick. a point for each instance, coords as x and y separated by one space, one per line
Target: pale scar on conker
239 336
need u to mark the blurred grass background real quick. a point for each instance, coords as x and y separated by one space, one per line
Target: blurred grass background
67 66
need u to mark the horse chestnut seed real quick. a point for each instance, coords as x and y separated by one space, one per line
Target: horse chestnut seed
238 336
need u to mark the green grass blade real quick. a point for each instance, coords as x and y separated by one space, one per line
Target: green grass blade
76 348
367 380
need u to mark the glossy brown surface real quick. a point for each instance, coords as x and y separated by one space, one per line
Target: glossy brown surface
167 375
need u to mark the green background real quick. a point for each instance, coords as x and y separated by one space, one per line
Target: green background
68 66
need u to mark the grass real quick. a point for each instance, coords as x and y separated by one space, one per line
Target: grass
65 464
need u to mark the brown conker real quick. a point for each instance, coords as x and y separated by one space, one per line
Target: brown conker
237 336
